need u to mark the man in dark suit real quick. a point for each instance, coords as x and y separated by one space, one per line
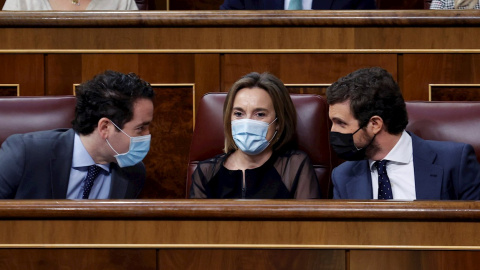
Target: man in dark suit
315 4
99 158
384 161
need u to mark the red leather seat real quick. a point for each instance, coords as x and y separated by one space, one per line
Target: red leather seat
313 128
27 114
446 121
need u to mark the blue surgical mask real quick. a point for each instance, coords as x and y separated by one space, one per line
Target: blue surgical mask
138 149
250 135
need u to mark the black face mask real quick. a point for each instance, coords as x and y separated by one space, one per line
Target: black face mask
343 145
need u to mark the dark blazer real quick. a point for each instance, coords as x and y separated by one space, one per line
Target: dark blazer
279 4
37 166
443 171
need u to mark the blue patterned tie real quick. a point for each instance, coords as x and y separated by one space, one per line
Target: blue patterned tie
384 186
93 172
295 5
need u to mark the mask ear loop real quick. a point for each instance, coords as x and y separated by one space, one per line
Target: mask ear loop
358 149
111 147
121 131
275 130
374 135
272 137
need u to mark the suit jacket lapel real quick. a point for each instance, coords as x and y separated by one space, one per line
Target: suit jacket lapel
360 185
120 183
322 4
61 164
428 176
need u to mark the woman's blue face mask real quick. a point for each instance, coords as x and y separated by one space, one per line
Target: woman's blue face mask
250 136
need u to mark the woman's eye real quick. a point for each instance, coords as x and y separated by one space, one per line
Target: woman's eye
237 114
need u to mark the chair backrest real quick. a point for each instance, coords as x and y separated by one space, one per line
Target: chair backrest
27 114
313 128
446 121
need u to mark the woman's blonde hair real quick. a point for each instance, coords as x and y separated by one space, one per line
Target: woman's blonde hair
282 103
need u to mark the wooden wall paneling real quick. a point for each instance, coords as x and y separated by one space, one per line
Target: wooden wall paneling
320 89
420 70
303 68
161 4
171 131
167 68
243 37
413 260
9 90
259 259
91 259
173 79
93 64
215 232
27 70
181 38
253 224
419 37
241 30
62 71
207 75
194 75
457 92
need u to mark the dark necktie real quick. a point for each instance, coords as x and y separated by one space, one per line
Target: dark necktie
93 172
384 186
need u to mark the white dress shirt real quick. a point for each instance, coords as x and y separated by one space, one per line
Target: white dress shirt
307 4
399 170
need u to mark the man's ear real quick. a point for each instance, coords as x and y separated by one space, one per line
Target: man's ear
376 123
104 127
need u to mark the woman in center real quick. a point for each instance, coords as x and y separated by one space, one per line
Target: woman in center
260 159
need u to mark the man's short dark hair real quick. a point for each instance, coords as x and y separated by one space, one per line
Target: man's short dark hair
111 95
371 91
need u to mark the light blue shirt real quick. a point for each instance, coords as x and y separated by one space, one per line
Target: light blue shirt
80 162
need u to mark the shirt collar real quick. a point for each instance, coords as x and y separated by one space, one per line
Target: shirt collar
401 153
81 158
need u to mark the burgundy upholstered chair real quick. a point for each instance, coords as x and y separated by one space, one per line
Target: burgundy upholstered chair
313 129
27 114
446 121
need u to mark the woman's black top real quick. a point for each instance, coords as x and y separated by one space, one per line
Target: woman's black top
286 176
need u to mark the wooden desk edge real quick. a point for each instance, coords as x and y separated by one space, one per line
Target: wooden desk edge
188 209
